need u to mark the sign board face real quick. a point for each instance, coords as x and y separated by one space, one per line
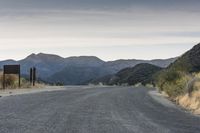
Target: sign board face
11 69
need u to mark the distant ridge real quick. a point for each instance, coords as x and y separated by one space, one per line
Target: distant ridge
52 67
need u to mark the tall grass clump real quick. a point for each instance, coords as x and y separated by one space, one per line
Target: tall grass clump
172 82
11 81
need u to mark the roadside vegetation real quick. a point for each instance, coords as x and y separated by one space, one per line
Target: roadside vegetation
182 88
181 80
174 83
11 82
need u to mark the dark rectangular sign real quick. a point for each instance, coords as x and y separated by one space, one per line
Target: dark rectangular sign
11 69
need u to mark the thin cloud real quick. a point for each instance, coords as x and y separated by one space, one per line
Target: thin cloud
57 26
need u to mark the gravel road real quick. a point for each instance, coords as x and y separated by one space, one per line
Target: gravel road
94 110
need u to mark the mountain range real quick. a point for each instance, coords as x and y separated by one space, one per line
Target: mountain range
187 64
76 70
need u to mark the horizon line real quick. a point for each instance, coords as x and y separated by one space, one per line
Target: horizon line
77 56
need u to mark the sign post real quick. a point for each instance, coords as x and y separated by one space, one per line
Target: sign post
32 76
11 69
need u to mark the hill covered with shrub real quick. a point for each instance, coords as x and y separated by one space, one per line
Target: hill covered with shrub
141 73
174 80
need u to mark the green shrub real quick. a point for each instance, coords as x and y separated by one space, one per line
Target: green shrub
59 84
176 87
172 82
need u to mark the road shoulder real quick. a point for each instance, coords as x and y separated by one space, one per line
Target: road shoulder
162 99
12 92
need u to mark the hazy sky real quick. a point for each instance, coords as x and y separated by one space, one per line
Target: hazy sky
109 29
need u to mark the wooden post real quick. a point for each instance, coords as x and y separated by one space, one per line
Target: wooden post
19 77
4 85
31 76
34 75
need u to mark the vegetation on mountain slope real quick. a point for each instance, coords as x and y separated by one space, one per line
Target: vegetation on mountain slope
174 79
181 80
141 73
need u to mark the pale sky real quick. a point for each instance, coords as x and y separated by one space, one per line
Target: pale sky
109 29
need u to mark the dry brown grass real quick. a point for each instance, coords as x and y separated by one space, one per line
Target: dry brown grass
190 102
190 99
184 88
12 82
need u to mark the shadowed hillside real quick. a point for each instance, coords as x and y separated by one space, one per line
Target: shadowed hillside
175 78
141 73
188 62
74 75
